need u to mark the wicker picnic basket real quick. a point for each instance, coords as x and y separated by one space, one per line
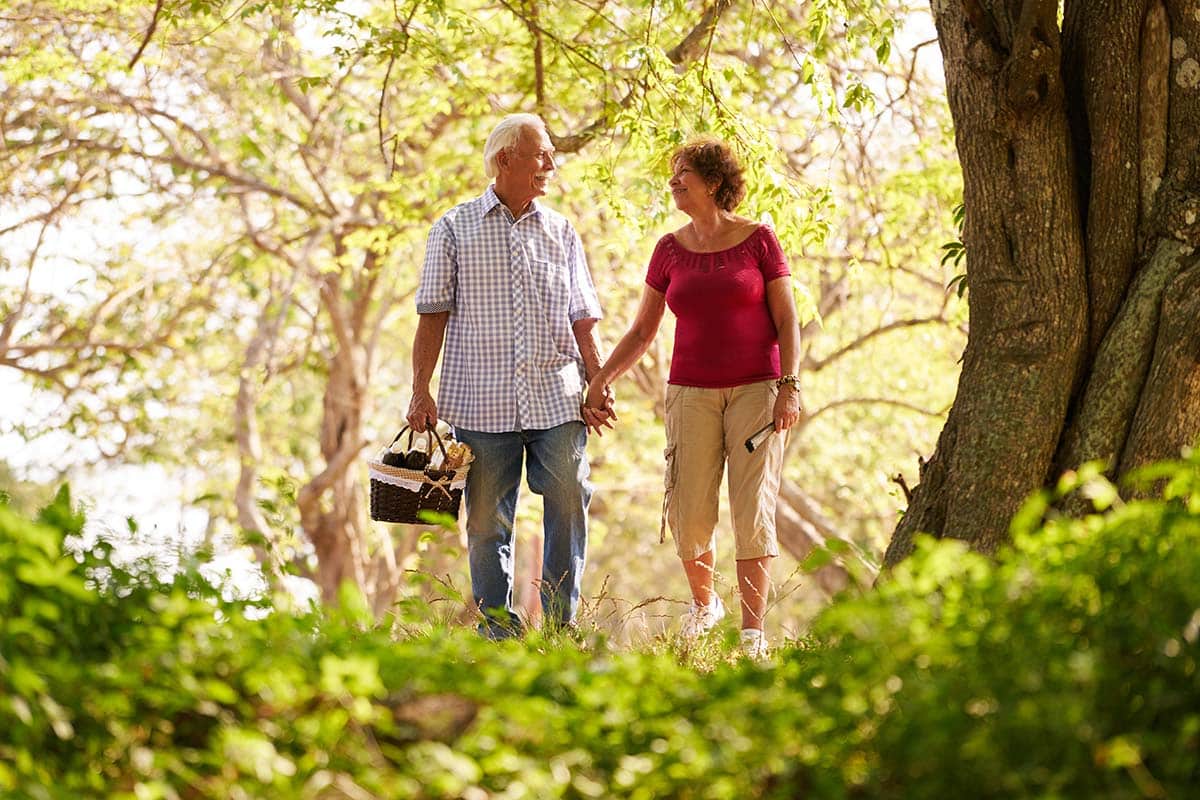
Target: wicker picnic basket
400 494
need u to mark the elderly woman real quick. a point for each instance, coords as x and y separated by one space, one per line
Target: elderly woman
733 373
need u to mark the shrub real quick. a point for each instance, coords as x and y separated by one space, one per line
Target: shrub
1065 667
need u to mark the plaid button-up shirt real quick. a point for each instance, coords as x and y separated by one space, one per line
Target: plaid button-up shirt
513 288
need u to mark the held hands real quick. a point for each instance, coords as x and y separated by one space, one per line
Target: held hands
422 411
787 407
598 408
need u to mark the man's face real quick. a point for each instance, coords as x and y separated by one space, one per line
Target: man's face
530 164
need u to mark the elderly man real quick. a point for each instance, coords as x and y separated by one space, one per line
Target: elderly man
505 284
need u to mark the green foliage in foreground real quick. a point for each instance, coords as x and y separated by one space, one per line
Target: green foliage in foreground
1066 668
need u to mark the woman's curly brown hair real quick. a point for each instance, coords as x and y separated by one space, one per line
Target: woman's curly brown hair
713 160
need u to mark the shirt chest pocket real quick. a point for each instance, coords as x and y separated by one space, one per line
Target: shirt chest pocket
552 284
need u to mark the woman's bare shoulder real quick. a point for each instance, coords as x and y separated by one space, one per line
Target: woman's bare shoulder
681 235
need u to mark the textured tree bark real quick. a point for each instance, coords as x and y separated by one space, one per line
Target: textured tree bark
1027 284
1140 401
1168 416
1100 427
1099 359
1101 46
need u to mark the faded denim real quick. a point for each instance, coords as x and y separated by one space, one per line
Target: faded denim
555 460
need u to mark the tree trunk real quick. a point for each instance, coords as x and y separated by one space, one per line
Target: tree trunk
802 528
528 579
331 504
1082 215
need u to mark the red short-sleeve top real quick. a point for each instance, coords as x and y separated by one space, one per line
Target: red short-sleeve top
724 334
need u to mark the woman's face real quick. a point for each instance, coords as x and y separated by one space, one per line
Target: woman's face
688 189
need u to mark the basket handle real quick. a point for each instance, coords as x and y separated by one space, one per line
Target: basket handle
428 443
441 446
401 433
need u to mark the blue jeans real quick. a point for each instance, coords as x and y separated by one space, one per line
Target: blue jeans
558 471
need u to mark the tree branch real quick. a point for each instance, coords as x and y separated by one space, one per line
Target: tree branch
877 401
688 49
310 493
694 41
539 68
821 363
149 34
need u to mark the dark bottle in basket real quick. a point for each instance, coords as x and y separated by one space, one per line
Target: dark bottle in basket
394 459
416 459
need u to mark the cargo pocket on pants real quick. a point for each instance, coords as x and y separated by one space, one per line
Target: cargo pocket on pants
668 489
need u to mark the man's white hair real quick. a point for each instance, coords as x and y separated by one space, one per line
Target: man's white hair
505 136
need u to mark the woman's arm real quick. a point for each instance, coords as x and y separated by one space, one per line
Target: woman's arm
633 344
782 306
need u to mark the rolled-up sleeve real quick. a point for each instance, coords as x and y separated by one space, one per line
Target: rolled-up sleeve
584 302
439 273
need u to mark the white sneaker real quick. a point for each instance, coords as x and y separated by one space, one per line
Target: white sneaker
702 619
754 644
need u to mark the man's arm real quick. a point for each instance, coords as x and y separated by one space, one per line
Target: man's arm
585 337
427 346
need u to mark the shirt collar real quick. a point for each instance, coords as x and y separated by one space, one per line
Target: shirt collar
490 200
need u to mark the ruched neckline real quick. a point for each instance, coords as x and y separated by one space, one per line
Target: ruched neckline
679 245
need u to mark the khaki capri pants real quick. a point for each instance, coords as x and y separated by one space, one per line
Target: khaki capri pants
707 428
